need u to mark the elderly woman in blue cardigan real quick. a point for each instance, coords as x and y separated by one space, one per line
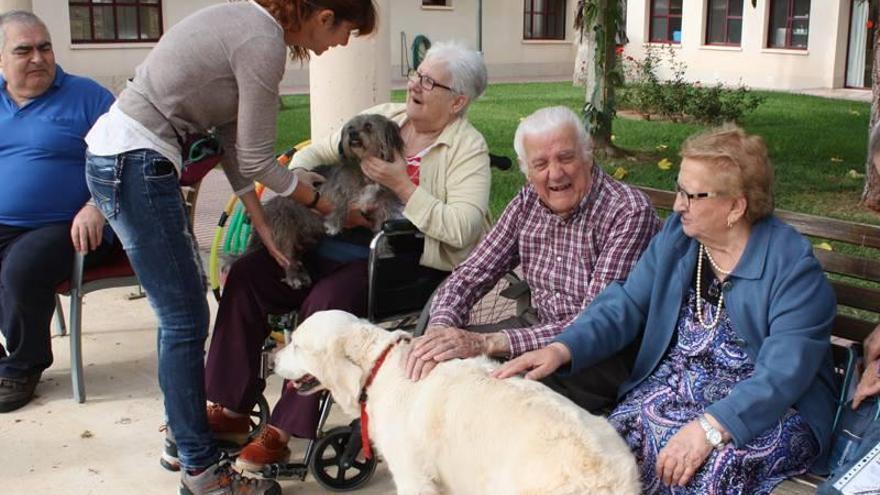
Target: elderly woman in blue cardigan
732 388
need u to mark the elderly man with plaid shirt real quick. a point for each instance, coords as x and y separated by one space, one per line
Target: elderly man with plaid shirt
573 229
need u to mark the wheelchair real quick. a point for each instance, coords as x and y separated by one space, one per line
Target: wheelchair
398 297
398 289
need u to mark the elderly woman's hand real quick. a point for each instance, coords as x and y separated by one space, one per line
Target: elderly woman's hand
872 345
683 455
869 385
538 363
440 344
356 218
390 174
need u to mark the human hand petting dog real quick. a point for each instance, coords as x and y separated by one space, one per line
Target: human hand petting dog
685 452
258 221
537 364
390 174
442 343
313 179
87 229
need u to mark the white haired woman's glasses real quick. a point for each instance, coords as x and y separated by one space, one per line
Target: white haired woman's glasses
426 82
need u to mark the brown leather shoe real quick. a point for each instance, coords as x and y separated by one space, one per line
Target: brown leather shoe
230 434
226 428
16 392
267 448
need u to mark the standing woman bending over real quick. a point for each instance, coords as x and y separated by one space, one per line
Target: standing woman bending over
217 69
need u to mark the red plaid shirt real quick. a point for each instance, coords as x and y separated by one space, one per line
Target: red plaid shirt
566 262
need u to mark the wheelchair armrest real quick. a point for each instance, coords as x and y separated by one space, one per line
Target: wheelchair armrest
398 226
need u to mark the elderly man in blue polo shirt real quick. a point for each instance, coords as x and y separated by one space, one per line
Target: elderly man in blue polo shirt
44 209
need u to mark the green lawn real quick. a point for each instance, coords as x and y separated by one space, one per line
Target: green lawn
814 143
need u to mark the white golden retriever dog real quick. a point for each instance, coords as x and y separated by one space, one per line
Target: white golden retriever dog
458 431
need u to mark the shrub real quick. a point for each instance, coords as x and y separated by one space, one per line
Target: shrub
677 99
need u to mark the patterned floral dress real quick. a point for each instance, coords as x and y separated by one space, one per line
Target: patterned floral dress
701 367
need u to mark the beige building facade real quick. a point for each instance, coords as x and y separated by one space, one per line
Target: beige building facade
779 44
516 37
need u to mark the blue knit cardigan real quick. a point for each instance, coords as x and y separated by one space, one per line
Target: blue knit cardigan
779 303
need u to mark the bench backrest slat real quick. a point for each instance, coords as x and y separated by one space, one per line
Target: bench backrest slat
849 265
862 294
851 328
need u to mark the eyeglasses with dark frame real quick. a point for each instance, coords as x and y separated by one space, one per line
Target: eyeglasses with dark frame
426 82
689 197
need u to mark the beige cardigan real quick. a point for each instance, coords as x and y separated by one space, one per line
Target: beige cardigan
451 204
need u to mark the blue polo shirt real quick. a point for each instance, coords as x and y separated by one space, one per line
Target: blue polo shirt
42 151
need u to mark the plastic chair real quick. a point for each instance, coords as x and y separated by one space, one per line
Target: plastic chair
115 271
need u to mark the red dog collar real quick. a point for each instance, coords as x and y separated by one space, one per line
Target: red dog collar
362 400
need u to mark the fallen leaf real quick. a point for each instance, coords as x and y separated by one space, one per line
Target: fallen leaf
620 173
664 164
854 112
825 246
853 174
662 147
836 159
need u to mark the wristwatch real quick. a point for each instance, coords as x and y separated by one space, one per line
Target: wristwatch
713 436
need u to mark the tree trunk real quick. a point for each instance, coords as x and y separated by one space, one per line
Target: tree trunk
601 95
871 191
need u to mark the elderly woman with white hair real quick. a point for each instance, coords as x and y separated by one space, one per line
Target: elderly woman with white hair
442 182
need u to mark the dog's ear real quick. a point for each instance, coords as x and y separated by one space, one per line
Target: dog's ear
340 148
393 143
345 380
352 365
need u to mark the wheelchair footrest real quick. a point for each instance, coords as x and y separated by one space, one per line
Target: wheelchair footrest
293 470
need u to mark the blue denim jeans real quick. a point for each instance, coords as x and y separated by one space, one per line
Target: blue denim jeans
139 193
857 433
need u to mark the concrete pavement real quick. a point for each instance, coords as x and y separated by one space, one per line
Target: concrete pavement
111 443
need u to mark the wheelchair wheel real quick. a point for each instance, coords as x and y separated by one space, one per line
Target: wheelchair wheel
326 463
259 417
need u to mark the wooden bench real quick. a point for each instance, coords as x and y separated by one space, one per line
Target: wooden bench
853 268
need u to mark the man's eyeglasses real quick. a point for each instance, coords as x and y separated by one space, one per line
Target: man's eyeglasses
426 82
689 197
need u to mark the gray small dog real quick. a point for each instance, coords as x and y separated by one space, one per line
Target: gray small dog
296 229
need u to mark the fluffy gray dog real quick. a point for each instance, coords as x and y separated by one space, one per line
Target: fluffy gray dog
296 229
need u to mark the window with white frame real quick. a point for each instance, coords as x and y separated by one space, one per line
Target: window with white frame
724 22
544 20
665 21
789 25
115 21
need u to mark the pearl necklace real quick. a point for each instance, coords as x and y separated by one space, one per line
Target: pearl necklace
712 262
707 326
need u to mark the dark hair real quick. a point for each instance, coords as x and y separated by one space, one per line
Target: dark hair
291 14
